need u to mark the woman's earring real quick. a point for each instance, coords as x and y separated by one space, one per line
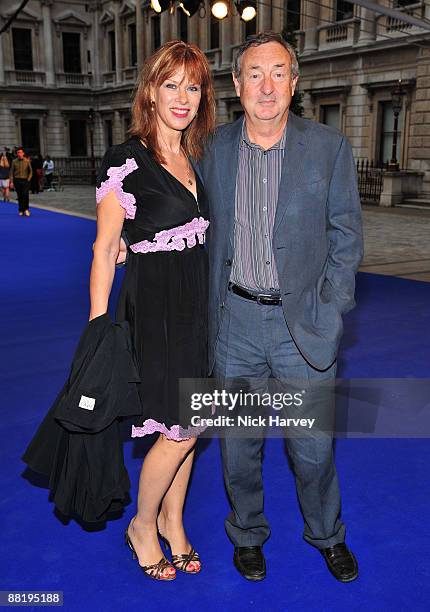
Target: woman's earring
152 105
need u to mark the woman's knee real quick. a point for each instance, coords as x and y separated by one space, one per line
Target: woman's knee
178 447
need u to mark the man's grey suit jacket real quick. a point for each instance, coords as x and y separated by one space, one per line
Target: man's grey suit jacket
317 236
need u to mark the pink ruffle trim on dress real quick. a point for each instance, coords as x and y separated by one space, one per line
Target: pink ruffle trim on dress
174 239
116 176
176 432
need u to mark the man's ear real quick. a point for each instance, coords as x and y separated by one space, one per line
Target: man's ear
236 84
294 85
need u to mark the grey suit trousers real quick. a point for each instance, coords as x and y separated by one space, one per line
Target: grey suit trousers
253 345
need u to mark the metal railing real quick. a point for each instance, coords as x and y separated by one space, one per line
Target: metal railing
74 170
369 181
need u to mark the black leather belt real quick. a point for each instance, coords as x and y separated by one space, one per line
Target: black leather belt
260 298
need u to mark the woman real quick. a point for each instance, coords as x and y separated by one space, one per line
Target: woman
4 176
36 164
148 185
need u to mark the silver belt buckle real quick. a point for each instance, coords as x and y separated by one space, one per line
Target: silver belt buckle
262 296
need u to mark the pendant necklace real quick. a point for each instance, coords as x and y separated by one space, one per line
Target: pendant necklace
188 170
189 179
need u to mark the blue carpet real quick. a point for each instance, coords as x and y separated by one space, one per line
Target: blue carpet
385 483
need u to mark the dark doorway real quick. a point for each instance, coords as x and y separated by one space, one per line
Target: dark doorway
78 137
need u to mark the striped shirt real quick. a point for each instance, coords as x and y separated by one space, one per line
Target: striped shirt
257 187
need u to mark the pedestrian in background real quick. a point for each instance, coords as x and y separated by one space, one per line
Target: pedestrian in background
9 155
48 167
20 176
36 166
4 176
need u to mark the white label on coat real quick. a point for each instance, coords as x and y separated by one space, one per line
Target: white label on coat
87 402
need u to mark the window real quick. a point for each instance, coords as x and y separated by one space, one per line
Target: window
112 51
344 10
183 26
72 52
132 48
108 133
30 136
156 32
387 131
214 33
330 115
293 14
22 51
78 137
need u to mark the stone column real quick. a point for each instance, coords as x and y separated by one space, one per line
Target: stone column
164 27
1 56
48 42
222 112
226 41
147 25
277 16
193 29
237 29
367 26
311 20
140 37
117 128
204 32
95 60
118 41
264 17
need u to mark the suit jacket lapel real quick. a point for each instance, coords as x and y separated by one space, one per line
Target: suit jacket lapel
293 166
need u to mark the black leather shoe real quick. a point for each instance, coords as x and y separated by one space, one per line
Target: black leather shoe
250 562
341 562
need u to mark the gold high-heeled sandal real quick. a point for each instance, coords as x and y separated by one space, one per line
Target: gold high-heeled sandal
182 562
154 571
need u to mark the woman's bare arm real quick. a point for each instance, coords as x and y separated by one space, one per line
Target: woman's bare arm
110 218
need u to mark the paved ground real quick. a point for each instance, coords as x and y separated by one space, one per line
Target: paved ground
397 240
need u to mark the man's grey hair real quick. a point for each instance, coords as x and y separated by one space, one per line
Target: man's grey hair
261 39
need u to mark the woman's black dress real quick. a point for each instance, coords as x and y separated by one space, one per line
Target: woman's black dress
164 292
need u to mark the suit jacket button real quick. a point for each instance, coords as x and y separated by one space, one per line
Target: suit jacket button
228 262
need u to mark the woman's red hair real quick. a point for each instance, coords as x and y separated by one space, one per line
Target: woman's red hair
172 56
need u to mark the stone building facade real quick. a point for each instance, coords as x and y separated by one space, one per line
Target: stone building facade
61 58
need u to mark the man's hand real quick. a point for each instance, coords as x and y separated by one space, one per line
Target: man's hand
122 254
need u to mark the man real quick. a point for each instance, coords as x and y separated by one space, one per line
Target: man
20 176
284 244
48 167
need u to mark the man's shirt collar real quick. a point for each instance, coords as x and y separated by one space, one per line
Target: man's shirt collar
244 140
